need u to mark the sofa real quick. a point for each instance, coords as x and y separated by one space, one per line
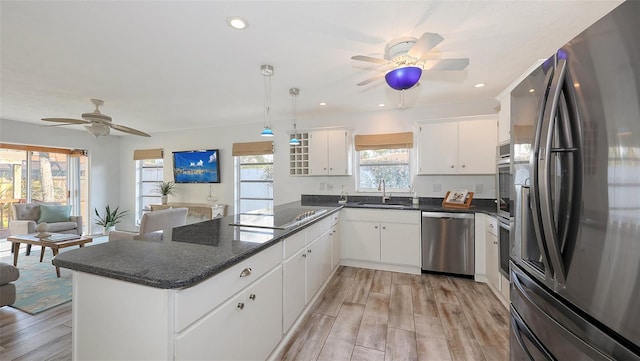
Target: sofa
153 225
26 216
8 274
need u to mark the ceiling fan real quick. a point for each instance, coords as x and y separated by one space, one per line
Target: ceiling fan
99 124
405 58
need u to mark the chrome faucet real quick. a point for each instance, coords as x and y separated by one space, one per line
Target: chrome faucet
382 187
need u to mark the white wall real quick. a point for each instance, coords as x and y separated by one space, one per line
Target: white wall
286 187
112 177
103 154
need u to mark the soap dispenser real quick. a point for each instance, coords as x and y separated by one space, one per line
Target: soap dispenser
415 199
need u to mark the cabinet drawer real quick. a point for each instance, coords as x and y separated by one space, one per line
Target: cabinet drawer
294 243
192 303
315 230
335 218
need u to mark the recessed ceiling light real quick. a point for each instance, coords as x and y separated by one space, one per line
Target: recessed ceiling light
531 90
381 105
323 103
479 85
576 85
237 23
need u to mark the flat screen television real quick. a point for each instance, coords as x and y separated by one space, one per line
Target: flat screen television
196 166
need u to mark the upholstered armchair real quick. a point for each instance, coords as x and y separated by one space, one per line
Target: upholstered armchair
27 215
154 224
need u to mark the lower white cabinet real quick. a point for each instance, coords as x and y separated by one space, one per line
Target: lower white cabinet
306 270
381 237
247 327
492 260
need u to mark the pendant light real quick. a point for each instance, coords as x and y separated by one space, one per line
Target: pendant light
294 93
267 72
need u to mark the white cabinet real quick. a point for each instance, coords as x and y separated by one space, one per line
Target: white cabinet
381 237
335 245
491 249
504 115
330 152
458 146
294 280
306 266
251 318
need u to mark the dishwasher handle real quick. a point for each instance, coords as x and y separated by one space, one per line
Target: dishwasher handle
446 215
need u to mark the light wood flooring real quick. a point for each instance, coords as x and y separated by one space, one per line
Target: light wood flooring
362 315
377 315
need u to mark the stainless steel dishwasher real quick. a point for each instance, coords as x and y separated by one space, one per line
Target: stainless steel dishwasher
448 242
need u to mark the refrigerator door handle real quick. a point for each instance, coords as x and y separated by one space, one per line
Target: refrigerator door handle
543 173
533 163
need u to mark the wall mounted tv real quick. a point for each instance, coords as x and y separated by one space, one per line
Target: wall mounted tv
196 166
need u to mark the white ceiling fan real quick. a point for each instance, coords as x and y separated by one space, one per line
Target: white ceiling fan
99 124
409 52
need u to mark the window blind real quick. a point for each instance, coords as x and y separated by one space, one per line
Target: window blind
140 154
35 148
252 148
384 141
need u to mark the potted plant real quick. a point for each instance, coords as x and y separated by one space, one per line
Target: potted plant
165 189
109 219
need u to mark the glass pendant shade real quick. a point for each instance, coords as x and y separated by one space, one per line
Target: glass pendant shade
294 141
267 132
404 77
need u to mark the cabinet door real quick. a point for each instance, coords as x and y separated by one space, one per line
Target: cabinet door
318 153
491 245
338 152
438 148
361 240
335 246
294 287
477 146
314 267
400 244
504 119
253 317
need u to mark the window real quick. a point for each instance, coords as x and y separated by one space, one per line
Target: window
254 188
149 174
383 157
392 165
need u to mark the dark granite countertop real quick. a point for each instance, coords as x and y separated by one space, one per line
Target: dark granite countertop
487 206
196 252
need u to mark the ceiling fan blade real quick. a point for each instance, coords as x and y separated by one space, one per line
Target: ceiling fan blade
365 82
66 120
426 42
446 64
122 128
369 59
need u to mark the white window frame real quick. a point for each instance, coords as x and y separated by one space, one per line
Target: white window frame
238 181
388 189
140 197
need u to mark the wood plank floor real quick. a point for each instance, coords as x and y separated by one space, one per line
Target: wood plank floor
362 315
378 315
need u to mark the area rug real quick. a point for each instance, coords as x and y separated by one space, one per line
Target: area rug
38 289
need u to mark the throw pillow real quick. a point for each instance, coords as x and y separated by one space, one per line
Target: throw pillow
53 214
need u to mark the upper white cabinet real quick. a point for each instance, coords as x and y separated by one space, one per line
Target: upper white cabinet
504 116
330 152
458 146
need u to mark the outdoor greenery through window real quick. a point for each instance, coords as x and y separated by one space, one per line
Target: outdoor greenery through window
149 174
254 187
390 165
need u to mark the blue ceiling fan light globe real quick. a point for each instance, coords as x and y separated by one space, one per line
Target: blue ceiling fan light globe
403 78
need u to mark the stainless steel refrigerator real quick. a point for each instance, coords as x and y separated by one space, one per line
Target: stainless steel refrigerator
575 250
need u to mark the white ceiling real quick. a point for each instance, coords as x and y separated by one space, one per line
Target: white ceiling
166 65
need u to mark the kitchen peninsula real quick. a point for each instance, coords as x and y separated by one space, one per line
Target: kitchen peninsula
205 294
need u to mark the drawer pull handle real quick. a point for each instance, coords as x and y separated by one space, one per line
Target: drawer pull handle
245 272
308 251
241 305
252 297
304 255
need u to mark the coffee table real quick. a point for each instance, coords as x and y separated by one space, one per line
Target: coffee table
55 241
